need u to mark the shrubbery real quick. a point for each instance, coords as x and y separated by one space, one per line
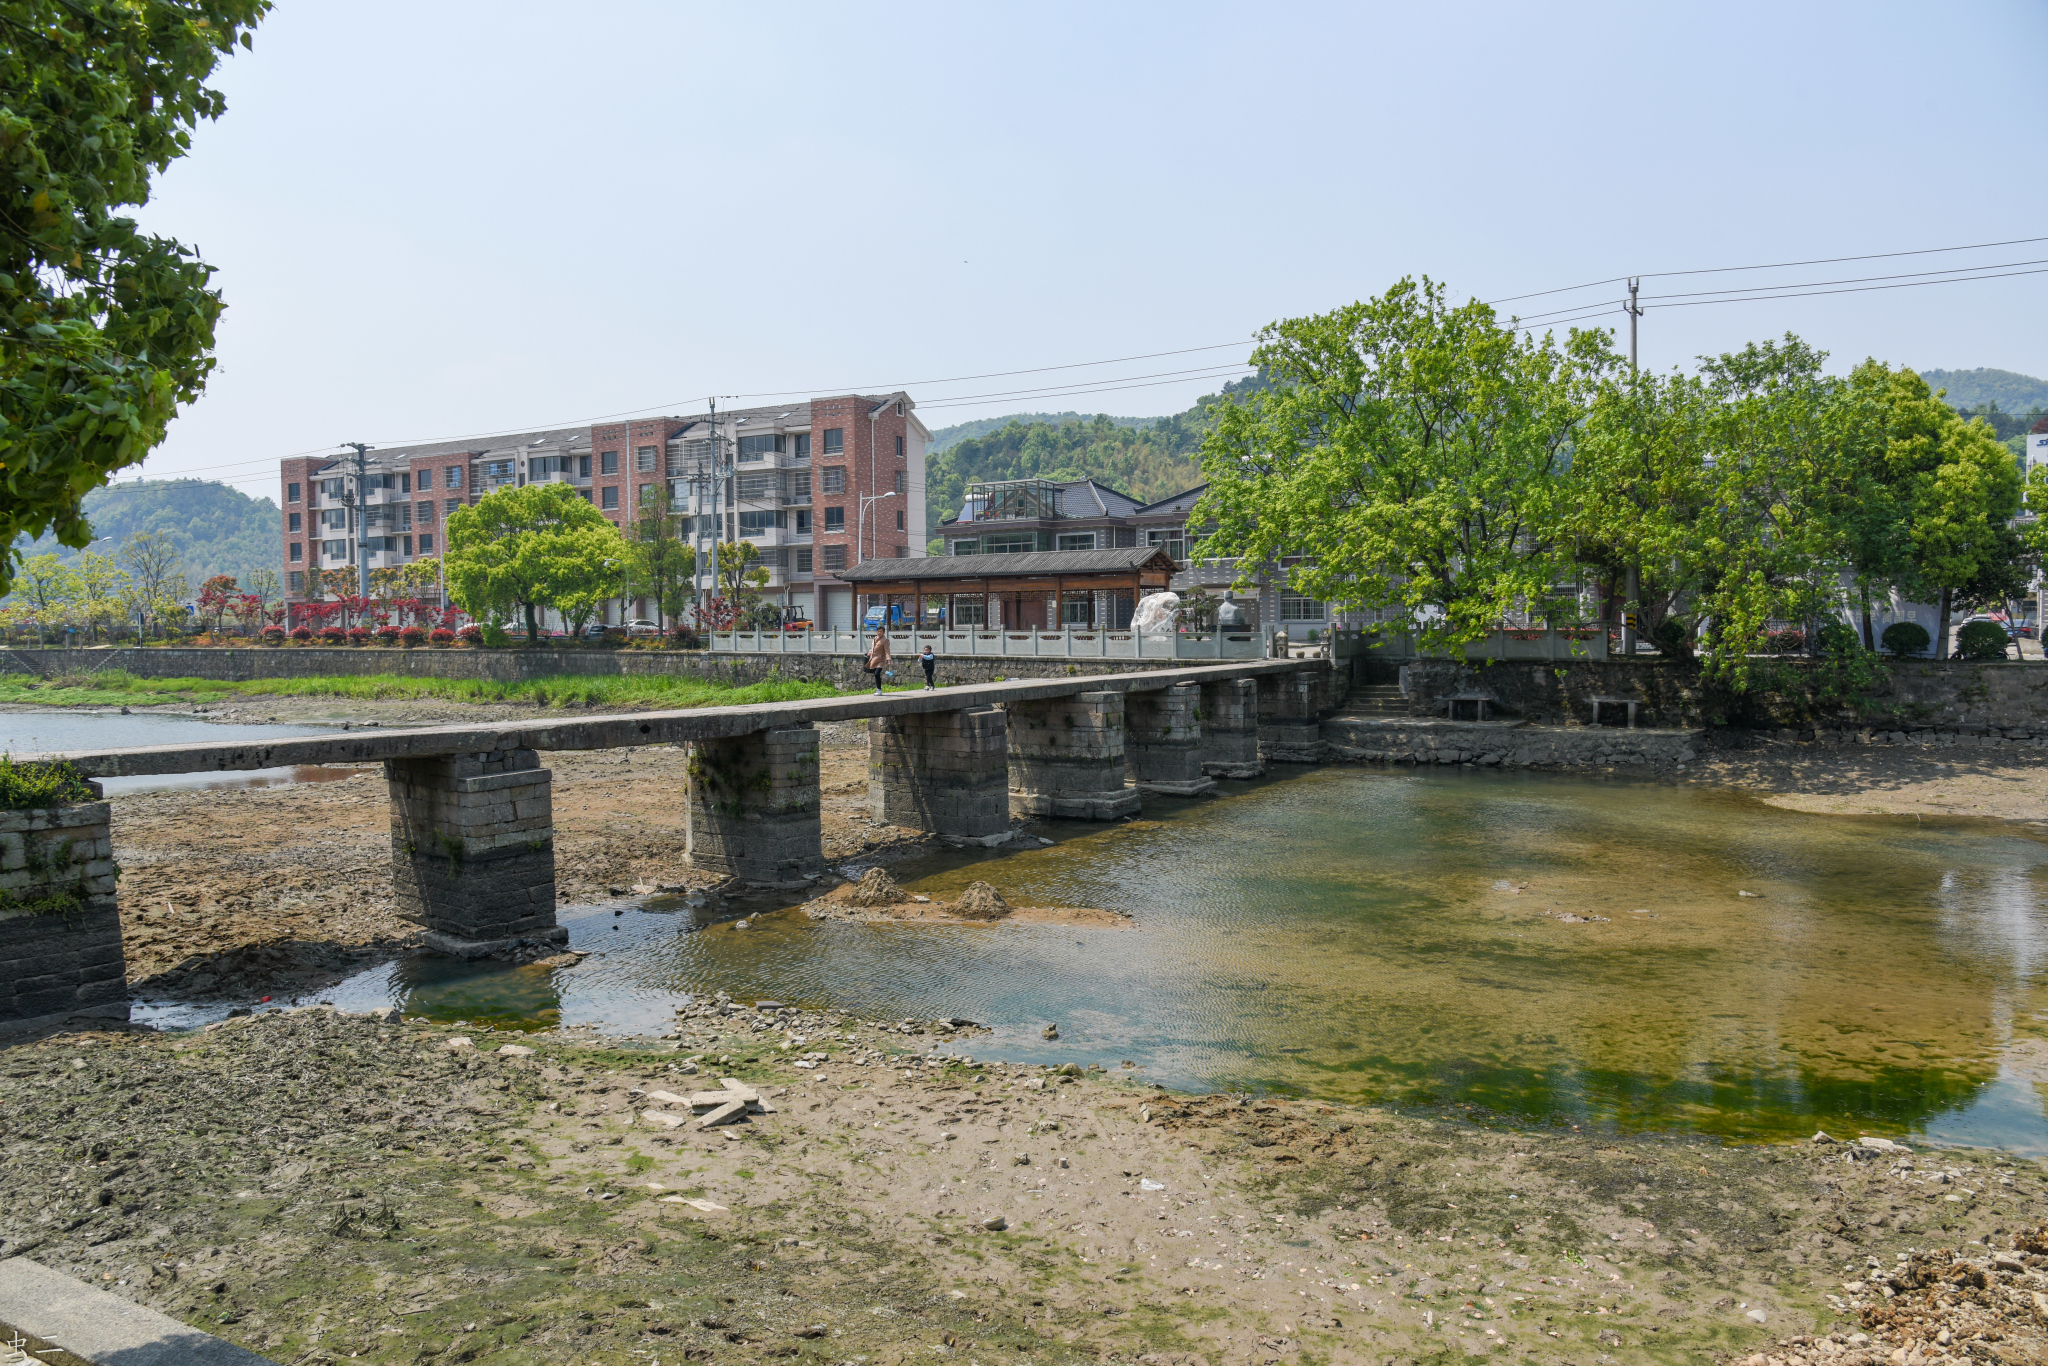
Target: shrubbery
1982 640
1787 642
332 635
1903 638
441 635
24 787
413 635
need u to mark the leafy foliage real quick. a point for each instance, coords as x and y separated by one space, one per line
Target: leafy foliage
1903 638
1981 640
39 783
220 530
520 550
2014 393
104 329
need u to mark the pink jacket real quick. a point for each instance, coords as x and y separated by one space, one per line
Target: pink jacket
878 653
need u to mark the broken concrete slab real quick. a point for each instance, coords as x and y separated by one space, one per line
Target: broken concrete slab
730 1112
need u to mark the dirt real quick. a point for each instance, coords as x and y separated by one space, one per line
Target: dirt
1879 780
239 893
877 897
321 1187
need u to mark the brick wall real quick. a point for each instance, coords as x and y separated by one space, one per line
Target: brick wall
307 536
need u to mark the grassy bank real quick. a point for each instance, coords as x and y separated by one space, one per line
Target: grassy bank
116 688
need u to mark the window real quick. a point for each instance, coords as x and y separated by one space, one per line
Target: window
835 519
754 523
899 450
426 480
901 552
449 505
835 440
902 482
582 467
404 483
426 545
425 513
1294 607
334 550
803 559
608 463
611 498
899 521
295 522
296 555
1077 609
405 543
1009 545
753 488
1172 539
832 479
454 479
298 580
835 557
800 488
646 492
588 496
759 447
803 520
800 446
969 609
1076 540
498 472
331 487
291 493
772 558
965 546
643 460
335 519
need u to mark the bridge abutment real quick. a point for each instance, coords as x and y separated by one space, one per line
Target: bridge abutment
1163 741
1230 729
473 849
60 930
945 772
752 806
1067 757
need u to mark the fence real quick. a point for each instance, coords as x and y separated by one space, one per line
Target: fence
973 642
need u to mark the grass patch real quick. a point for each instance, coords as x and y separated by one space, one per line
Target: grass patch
118 688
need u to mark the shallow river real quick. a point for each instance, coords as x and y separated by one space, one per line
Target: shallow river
1366 935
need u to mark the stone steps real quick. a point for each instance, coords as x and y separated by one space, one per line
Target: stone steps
1375 699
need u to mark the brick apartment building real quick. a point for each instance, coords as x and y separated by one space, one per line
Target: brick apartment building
818 486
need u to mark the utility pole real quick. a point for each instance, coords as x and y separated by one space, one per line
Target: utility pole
362 511
1632 577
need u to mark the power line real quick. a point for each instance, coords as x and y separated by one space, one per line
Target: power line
1958 274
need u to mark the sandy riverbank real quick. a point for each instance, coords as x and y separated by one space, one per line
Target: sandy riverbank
324 1188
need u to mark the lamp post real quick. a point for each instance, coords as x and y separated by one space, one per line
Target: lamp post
860 529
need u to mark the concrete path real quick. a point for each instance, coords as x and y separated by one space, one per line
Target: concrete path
101 1328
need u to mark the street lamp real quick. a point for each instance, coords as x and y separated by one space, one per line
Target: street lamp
861 527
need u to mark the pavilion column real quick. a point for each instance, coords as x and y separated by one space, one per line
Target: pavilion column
1230 729
752 807
1067 757
1163 741
944 772
473 849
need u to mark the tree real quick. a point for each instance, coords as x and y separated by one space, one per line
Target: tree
521 550
217 595
739 570
593 572
264 587
104 329
420 577
1411 454
156 575
102 586
47 587
660 562
1964 547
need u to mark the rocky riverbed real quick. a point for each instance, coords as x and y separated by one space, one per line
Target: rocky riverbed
322 1187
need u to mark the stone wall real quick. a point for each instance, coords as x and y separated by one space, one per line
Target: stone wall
60 931
1506 746
1911 695
519 665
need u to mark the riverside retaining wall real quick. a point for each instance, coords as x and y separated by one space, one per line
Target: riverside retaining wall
232 665
1504 746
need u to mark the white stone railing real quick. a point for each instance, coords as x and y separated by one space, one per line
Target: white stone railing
1013 642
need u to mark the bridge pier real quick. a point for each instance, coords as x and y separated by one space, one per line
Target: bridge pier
945 772
60 930
1290 731
1067 757
752 806
1230 729
473 849
1163 740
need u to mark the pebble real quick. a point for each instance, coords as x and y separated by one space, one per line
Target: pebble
995 1223
459 1042
514 1050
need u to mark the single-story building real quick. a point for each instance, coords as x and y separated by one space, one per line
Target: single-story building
1095 589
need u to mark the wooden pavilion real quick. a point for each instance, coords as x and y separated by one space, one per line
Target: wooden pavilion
1096 589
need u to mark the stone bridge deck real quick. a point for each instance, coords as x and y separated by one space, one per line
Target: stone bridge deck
472 815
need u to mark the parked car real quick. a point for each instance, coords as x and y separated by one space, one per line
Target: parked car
641 626
596 630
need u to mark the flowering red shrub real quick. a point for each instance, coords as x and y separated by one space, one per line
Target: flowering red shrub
333 635
387 635
302 633
413 635
441 635
357 635
471 633
272 635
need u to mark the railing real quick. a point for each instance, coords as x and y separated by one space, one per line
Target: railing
1015 642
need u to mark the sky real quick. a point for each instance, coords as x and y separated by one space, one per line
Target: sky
445 219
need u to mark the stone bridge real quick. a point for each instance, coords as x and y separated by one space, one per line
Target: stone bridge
472 819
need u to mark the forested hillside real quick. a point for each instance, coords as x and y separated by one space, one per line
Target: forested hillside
2013 393
1148 462
218 529
946 437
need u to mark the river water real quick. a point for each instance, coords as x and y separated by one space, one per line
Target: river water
40 732
1396 937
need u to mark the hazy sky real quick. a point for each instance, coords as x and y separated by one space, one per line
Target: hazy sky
439 219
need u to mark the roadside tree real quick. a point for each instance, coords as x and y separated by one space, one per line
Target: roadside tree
661 563
521 550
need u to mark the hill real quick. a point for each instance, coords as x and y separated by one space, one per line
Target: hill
220 530
1969 389
1147 461
945 437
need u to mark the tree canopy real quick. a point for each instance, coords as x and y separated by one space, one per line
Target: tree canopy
520 550
104 329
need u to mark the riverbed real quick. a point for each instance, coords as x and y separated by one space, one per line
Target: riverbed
1572 951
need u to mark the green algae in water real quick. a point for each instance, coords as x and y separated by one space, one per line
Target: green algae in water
1398 937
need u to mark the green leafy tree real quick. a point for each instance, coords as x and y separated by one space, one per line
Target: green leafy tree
102 590
1409 457
1964 546
739 569
519 551
104 329
47 588
156 584
661 563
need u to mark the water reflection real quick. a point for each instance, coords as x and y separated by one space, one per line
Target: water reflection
1396 937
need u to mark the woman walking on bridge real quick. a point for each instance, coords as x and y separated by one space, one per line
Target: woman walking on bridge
878 656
